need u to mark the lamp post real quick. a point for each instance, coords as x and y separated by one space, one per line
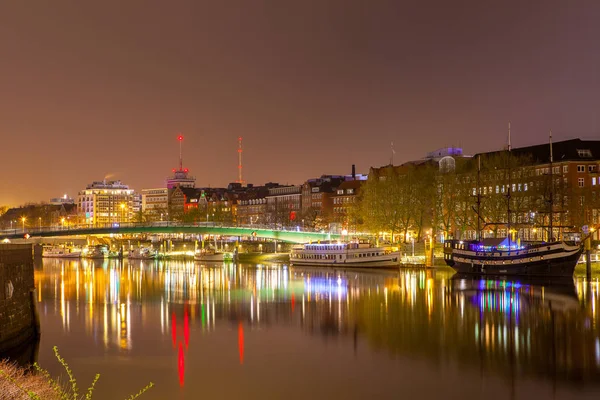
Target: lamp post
23 221
62 221
40 223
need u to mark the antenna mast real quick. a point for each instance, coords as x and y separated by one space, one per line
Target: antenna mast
240 150
180 138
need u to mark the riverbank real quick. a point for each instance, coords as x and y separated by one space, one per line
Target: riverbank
16 381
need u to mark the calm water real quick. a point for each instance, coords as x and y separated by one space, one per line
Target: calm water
271 332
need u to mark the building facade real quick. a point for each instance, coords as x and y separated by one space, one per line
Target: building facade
105 203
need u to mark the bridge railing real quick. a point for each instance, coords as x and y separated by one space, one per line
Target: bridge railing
32 230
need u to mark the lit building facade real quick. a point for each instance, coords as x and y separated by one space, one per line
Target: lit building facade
105 203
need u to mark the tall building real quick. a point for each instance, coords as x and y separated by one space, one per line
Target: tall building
105 202
181 176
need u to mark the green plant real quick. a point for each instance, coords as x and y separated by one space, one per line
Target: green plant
45 387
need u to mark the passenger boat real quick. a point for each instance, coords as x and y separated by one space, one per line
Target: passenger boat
59 252
500 257
349 254
142 253
212 255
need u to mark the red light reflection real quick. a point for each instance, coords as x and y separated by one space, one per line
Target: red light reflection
241 342
181 365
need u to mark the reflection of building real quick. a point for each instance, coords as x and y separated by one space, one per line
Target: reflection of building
105 202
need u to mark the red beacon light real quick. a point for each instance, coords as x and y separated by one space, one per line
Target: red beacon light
180 138
185 170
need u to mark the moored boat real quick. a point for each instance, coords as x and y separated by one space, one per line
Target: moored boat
349 254
59 252
97 252
142 253
212 255
500 257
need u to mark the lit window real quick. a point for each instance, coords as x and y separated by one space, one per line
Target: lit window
594 181
525 186
565 169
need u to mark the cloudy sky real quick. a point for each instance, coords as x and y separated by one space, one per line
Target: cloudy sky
95 89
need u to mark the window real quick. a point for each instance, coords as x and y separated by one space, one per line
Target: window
594 181
584 153
565 169
581 182
525 186
519 187
497 189
350 191
591 168
340 191
556 170
581 168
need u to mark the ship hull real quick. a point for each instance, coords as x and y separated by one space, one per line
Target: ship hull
553 267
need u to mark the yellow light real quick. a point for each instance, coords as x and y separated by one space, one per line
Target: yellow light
22 219
122 206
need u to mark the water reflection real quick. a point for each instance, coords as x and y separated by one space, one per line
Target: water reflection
513 330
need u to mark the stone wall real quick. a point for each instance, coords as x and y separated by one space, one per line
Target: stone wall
18 318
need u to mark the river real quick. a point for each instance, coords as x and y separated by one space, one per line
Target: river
278 332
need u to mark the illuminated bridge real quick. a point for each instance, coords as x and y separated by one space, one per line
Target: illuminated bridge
291 236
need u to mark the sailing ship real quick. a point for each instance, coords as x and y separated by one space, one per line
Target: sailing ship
506 257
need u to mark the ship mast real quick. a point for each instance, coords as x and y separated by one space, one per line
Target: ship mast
551 198
508 192
478 198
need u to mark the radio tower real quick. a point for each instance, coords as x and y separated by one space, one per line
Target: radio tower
240 150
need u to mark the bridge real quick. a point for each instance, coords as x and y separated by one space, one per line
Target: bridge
291 236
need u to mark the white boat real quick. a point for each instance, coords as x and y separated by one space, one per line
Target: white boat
142 253
212 255
59 252
349 254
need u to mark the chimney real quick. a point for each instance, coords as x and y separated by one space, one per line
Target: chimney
353 172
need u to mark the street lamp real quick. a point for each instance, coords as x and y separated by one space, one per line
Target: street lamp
122 211
62 221
40 223
23 221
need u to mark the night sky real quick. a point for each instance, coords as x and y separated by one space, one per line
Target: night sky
88 90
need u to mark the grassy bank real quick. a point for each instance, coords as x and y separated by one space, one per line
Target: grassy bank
17 383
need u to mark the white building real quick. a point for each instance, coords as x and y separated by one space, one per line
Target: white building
106 202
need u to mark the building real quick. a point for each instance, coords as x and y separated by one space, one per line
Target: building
284 206
105 203
155 204
317 201
522 193
57 201
345 198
